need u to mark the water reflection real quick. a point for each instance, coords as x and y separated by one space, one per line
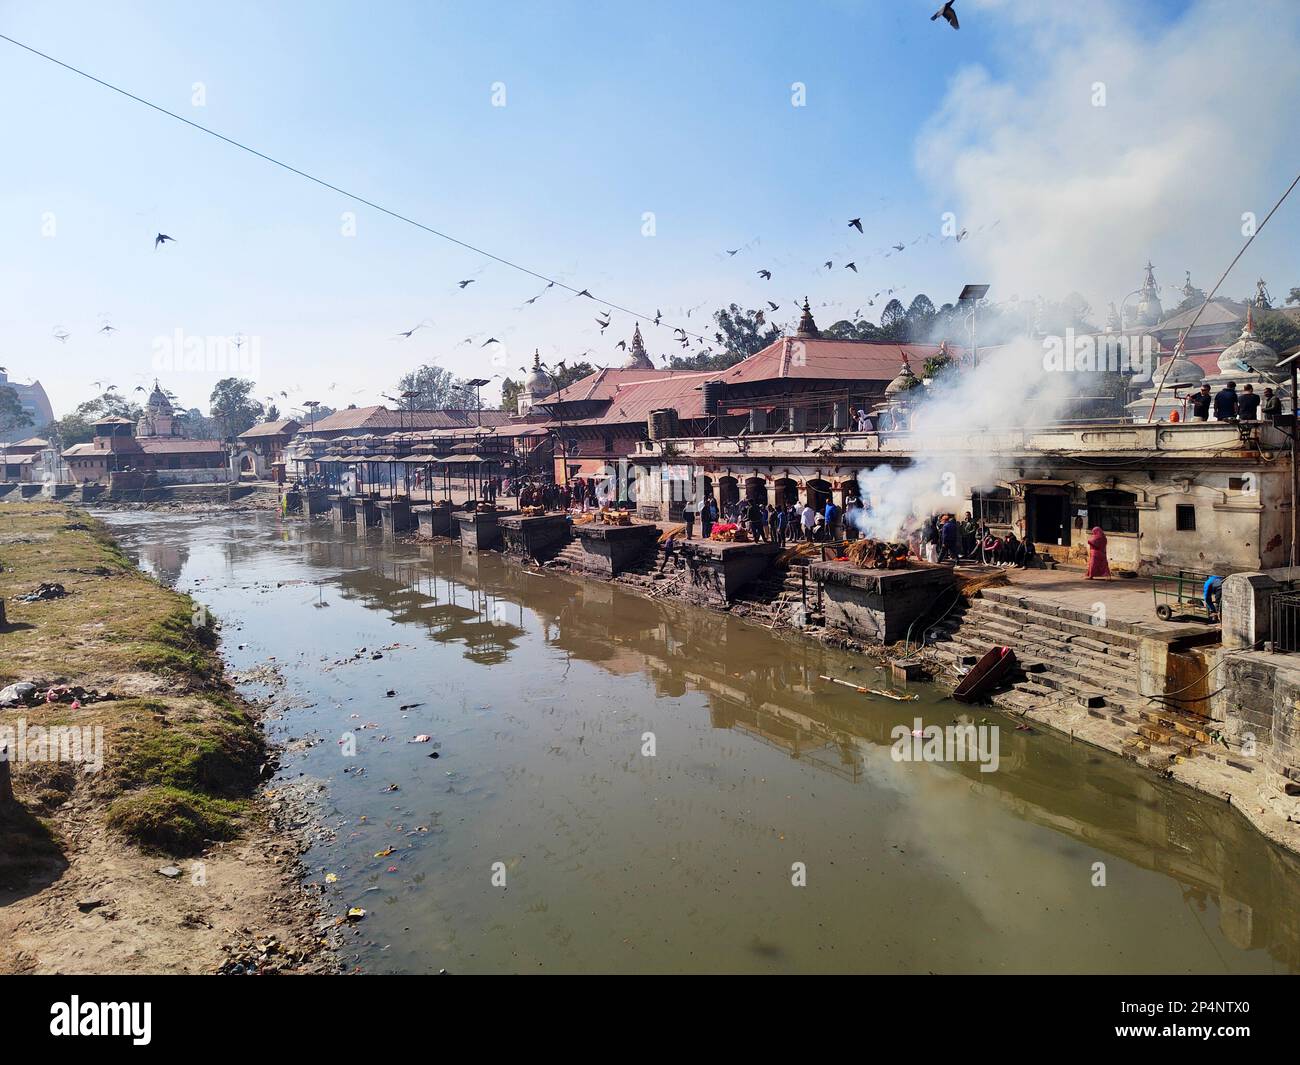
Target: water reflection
1034 828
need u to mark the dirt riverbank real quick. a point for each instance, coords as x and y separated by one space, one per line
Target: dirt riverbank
144 836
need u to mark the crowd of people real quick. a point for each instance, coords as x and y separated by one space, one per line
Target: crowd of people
944 538
775 523
1229 405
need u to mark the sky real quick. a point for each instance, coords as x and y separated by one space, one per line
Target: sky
636 145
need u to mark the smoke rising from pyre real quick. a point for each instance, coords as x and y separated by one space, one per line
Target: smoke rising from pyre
1107 140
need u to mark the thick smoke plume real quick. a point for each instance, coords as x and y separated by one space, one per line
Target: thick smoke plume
1108 138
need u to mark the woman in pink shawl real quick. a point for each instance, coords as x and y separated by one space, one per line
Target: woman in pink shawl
1097 564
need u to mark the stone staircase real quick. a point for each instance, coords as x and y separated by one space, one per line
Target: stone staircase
1072 668
779 593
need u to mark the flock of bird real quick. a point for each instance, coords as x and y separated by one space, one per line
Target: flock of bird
604 320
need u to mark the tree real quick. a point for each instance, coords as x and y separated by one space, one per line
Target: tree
745 332
893 321
79 426
271 414
921 317
1279 331
510 390
232 406
1294 295
12 415
434 388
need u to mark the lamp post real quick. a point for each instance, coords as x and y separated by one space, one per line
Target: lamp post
972 294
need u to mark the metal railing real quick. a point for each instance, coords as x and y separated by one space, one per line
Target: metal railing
1285 621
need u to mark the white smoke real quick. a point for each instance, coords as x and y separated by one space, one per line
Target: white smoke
952 445
1109 138
1113 134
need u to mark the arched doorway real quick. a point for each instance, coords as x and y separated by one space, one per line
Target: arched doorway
786 491
728 491
817 493
755 490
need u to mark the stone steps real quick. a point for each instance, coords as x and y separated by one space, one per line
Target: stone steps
1099 638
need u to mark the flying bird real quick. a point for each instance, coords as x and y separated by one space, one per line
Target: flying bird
898 247
61 335
408 333
584 292
828 264
766 275
948 14
162 238
774 306
856 223
851 266
658 314
621 344
489 340
110 329
961 236
462 284
730 252
603 324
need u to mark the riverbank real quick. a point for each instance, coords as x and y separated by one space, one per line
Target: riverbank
145 841
1217 766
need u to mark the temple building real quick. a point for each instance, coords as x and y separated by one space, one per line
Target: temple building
637 359
117 450
537 386
158 419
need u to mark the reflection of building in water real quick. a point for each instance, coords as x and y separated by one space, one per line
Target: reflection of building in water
165 558
1099 802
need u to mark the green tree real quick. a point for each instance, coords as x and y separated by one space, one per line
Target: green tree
232 406
745 332
1294 295
921 318
434 388
510 390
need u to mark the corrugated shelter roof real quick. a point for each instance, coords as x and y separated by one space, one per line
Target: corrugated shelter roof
833 360
284 427
605 382
380 417
633 402
153 446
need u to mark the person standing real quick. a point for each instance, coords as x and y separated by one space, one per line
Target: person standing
707 514
1272 407
1248 405
1225 403
1201 404
808 518
774 523
1098 565
688 516
832 516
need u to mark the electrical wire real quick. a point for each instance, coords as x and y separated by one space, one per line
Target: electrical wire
335 188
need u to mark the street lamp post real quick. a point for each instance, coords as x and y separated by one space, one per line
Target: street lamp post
972 294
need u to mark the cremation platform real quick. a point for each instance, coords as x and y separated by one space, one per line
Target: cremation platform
608 550
536 536
880 604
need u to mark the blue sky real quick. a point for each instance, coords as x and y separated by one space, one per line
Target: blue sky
683 110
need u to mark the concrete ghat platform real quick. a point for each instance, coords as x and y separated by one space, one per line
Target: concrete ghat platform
341 510
608 550
718 571
434 519
481 530
879 605
536 536
366 513
395 517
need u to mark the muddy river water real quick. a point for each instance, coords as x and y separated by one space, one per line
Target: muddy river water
771 829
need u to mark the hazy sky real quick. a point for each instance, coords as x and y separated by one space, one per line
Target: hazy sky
611 111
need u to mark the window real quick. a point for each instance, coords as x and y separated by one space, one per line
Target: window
991 506
609 444
1185 517
1113 511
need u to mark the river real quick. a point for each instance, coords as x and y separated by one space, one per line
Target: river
771 829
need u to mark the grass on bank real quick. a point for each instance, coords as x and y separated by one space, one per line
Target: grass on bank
179 762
